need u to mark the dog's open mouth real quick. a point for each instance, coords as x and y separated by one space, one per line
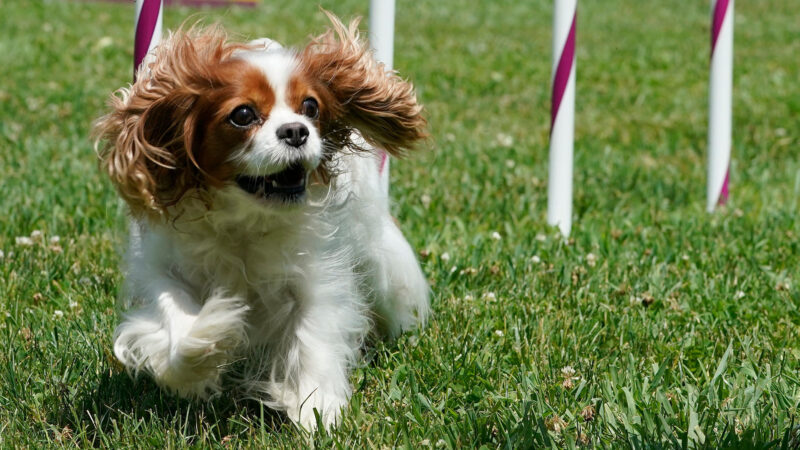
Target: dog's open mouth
287 186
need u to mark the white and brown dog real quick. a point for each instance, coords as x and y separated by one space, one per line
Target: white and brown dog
262 251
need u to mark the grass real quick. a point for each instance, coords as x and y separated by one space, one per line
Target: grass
681 327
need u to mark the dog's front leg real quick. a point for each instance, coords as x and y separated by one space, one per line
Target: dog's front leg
318 352
182 342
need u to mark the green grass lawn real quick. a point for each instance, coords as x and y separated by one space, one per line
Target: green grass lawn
681 327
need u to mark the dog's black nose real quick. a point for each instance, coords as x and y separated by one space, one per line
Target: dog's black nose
294 134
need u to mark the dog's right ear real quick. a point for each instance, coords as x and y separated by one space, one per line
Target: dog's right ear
145 142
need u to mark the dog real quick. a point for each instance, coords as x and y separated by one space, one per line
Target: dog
262 252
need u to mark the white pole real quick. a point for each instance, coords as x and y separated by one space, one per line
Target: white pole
381 30
149 14
720 103
562 116
381 37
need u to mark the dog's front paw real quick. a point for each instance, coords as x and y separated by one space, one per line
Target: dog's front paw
198 359
194 368
328 407
220 327
185 354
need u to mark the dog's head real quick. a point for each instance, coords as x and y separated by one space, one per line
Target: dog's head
206 113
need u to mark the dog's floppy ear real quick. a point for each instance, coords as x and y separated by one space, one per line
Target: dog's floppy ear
143 151
145 142
381 105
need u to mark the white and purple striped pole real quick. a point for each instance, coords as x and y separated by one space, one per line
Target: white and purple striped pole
562 117
381 38
148 30
720 102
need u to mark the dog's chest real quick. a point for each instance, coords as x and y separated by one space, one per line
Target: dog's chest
264 268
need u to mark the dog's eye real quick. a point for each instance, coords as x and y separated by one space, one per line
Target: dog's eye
310 108
242 116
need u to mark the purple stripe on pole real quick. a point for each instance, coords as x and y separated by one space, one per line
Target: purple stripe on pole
720 10
723 195
145 27
563 72
384 157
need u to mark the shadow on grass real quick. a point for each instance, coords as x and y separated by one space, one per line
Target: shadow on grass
111 408
117 405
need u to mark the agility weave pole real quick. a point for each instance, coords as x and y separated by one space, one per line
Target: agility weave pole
562 117
149 14
720 109
381 38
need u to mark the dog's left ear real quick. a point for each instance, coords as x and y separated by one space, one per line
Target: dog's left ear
360 94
